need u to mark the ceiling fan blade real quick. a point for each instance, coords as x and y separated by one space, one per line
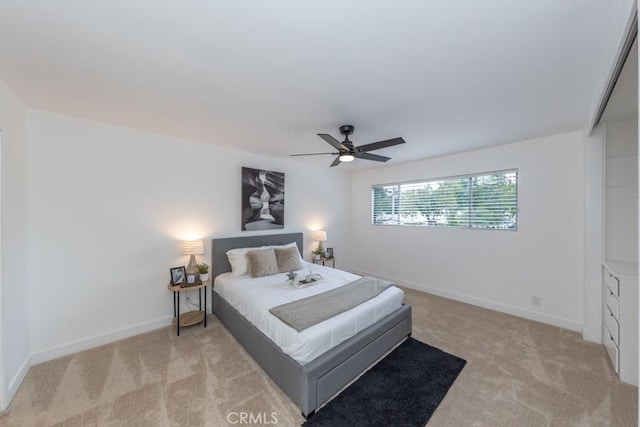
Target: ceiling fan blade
336 162
381 144
369 156
311 154
331 140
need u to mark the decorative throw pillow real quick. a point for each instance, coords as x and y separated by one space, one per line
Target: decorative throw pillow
288 259
238 260
262 262
289 245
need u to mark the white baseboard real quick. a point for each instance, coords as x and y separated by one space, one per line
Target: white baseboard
509 309
16 381
109 337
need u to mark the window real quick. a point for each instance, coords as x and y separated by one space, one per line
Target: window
488 200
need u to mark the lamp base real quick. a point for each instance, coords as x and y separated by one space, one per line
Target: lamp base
192 269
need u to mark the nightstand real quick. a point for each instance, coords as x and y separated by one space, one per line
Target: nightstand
191 317
323 260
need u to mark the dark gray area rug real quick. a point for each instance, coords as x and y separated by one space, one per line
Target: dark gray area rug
403 389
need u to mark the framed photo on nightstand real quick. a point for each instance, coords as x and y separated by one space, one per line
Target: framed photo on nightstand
178 275
328 253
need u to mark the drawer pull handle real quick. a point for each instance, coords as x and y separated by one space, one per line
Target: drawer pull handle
611 337
610 292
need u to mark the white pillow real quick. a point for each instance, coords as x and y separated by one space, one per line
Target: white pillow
238 260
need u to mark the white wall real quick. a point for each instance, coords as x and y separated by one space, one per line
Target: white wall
593 234
13 288
109 207
621 201
495 269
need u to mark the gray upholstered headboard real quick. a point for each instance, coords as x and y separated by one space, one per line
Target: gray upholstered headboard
219 247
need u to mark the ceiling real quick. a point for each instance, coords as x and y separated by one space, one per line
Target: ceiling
265 77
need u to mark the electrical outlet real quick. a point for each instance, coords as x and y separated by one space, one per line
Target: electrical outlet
536 301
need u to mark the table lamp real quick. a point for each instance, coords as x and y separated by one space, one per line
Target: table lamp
320 236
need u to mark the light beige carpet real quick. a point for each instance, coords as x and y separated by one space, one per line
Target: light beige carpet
519 373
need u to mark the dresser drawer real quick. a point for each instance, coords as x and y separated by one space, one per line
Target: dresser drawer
620 317
611 281
612 325
612 301
612 349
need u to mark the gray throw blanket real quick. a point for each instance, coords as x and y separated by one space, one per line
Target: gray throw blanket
306 312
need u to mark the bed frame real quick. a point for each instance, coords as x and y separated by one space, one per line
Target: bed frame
312 384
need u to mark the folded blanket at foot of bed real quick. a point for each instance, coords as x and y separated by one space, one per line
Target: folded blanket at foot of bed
306 312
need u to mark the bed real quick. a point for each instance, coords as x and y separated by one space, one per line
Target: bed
312 383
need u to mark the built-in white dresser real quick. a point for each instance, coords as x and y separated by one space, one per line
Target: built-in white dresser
620 318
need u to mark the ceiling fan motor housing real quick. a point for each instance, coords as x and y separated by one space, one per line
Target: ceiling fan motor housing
346 130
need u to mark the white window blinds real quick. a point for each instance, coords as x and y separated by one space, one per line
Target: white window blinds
488 200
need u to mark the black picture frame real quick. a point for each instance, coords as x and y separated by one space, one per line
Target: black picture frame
178 275
262 199
328 253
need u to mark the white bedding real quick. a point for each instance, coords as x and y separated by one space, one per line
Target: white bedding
254 297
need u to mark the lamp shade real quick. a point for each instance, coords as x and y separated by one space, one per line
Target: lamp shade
193 247
320 236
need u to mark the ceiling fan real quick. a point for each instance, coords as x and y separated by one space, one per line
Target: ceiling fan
348 153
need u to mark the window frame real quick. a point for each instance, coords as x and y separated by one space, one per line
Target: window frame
469 177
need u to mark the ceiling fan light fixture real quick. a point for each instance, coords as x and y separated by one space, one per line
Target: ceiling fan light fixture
347 157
